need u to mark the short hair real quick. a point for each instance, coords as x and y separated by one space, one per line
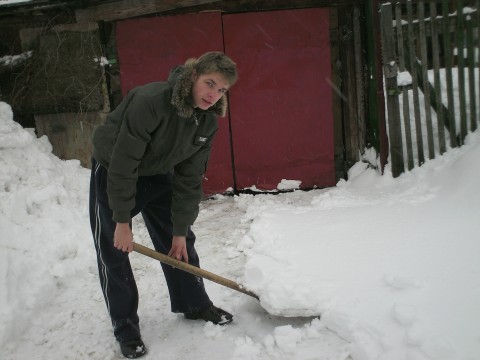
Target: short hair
215 61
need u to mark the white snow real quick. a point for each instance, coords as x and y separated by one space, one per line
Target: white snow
391 265
404 78
8 2
12 60
289 184
102 61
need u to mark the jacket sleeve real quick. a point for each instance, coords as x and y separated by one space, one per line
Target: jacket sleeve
187 188
139 121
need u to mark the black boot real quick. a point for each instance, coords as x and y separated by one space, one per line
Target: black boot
133 349
212 314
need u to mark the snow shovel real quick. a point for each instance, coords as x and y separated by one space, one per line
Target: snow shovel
192 269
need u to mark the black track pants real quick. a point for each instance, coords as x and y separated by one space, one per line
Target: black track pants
153 200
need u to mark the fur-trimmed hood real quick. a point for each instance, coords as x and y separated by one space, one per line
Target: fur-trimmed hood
181 80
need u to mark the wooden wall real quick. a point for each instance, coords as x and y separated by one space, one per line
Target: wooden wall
348 68
70 133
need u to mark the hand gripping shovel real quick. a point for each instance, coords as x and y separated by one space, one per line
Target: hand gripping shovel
191 269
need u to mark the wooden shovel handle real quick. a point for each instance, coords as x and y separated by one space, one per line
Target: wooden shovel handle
192 269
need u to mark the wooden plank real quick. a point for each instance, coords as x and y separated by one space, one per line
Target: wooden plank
131 8
347 91
460 44
122 9
340 152
377 127
413 69
477 17
230 6
426 84
477 6
436 77
379 86
448 56
471 73
359 74
391 71
349 127
405 97
428 31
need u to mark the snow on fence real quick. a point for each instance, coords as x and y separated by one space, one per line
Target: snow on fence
432 84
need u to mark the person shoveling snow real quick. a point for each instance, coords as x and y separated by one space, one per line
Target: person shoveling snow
149 158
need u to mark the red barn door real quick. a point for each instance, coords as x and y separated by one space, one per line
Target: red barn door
148 48
281 109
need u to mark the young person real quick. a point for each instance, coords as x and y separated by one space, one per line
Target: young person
149 157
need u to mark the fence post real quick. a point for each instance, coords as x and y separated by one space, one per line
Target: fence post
460 37
477 6
413 70
471 73
377 133
448 58
436 71
422 39
390 72
405 97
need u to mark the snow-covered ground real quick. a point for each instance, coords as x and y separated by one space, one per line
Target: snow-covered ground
8 2
391 265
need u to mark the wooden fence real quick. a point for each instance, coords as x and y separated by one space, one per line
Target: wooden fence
432 84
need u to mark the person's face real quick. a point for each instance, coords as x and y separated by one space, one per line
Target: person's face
208 89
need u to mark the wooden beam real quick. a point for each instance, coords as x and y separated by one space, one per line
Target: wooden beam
235 6
130 8
122 9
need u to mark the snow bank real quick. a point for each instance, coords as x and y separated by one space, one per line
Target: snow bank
390 264
40 210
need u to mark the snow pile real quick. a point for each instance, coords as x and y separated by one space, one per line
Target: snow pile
404 78
42 211
287 342
289 184
391 264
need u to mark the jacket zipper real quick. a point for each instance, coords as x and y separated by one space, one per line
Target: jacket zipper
195 118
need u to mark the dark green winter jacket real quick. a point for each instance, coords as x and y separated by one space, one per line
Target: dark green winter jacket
156 130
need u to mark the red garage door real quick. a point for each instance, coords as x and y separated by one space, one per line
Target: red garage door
281 109
149 48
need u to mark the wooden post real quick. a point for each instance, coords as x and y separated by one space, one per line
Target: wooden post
413 67
376 97
460 42
436 75
448 56
405 98
477 6
359 62
471 73
391 72
123 9
422 38
348 93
